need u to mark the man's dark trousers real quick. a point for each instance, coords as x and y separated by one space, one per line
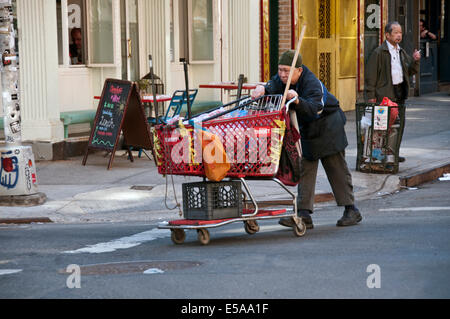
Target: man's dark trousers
338 175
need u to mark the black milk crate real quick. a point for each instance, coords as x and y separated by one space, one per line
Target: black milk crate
212 200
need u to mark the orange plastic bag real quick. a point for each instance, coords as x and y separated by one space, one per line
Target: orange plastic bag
215 158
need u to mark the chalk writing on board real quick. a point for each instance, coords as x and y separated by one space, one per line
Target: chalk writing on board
110 115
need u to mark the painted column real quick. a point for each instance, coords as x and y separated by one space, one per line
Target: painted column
9 75
17 167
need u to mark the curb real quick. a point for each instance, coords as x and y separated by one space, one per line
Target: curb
432 172
23 200
31 220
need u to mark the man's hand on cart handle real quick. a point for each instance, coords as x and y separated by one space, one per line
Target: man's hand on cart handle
258 92
292 94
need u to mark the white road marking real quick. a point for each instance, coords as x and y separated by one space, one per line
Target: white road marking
122 243
152 271
9 271
413 209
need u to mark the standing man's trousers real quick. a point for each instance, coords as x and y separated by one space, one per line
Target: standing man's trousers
338 175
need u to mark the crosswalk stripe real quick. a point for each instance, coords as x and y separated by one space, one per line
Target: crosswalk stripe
413 209
122 243
9 271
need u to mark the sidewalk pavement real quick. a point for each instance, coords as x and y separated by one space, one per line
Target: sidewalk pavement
135 192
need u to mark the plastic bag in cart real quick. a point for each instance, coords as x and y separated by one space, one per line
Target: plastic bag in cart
215 158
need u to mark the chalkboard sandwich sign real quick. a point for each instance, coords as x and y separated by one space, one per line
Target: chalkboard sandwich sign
119 109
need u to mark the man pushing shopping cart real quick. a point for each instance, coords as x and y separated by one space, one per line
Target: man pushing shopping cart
321 122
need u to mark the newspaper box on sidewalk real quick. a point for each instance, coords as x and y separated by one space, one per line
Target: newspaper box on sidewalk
379 131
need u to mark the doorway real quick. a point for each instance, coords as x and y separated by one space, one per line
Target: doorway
329 48
130 39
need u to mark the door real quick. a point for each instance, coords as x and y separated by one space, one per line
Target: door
319 45
346 53
130 39
329 48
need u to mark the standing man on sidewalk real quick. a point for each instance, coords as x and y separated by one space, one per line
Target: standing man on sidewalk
323 138
389 69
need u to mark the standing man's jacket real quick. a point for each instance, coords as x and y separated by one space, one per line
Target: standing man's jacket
378 76
320 118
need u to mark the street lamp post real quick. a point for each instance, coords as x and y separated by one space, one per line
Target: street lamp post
18 180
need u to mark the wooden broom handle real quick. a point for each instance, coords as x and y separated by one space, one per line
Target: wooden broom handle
297 52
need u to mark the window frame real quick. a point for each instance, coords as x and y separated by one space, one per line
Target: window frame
190 35
86 22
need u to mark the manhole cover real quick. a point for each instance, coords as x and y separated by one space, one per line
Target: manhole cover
134 267
142 188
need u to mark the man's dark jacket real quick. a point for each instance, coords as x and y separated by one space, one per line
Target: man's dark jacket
320 118
378 74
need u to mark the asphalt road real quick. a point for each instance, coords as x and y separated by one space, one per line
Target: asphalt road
401 249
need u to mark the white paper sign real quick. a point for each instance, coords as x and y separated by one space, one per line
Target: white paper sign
381 118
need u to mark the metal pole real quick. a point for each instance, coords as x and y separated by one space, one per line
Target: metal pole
186 80
240 83
152 79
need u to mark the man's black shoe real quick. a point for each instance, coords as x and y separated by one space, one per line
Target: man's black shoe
303 214
351 217
401 159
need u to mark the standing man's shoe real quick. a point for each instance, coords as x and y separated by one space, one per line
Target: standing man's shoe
303 214
351 217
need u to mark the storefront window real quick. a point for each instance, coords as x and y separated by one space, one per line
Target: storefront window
101 43
202 30
74 31
85 32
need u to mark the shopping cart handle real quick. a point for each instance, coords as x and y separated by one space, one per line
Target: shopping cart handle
289 103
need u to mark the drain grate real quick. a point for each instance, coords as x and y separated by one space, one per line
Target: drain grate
133 267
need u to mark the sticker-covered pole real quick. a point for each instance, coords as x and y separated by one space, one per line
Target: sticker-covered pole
18 180
9 75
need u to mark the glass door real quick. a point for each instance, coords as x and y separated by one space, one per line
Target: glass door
130 39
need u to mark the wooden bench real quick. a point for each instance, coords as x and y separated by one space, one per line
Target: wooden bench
77 117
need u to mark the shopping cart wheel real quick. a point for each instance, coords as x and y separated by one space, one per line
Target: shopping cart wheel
178 236
203 236
300 228
251 227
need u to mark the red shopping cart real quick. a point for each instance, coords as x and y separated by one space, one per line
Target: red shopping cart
251 132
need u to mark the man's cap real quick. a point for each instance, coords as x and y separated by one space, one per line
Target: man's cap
288 56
